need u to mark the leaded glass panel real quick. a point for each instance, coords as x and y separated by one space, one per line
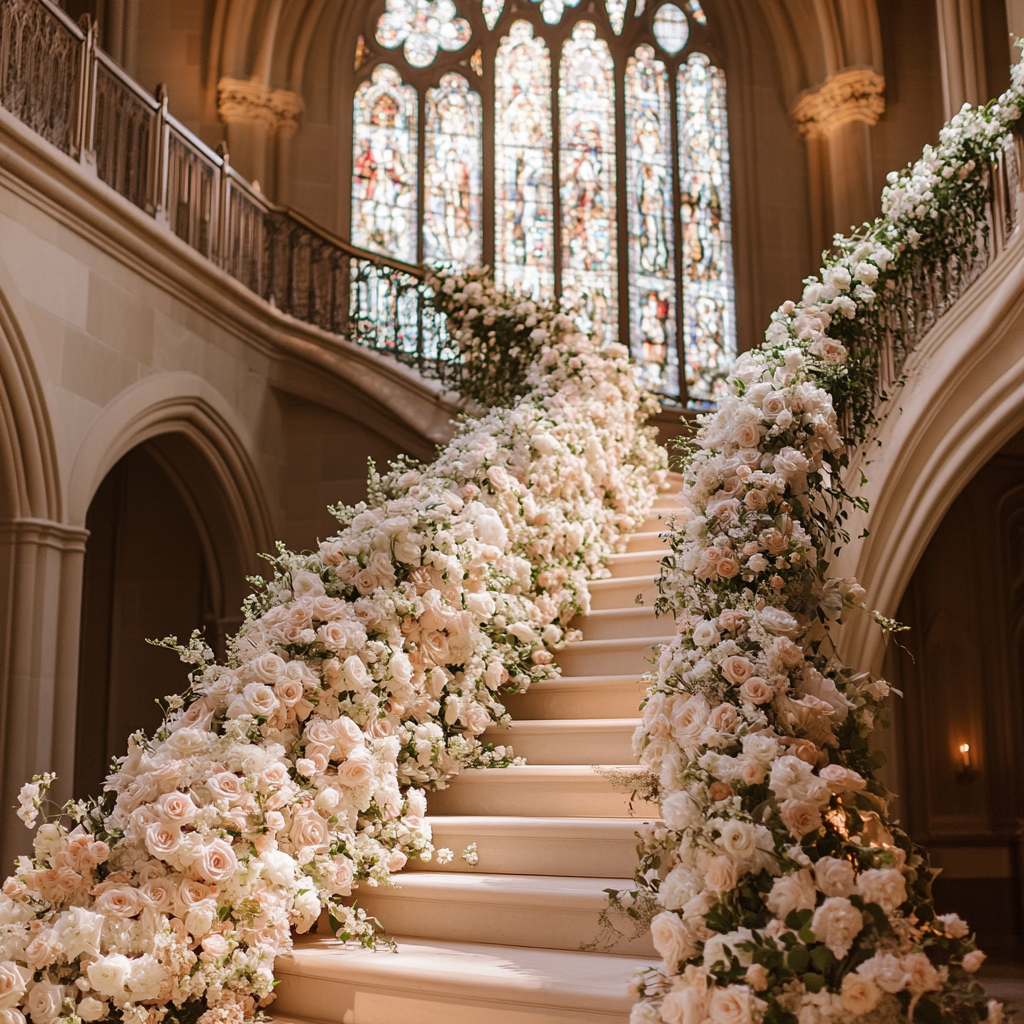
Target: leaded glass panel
384 214
452 175
524 254
423 26
709 329
652 284
552 10
492 12
587 156
616 14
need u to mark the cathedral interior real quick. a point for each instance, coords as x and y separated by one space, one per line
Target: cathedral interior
213 218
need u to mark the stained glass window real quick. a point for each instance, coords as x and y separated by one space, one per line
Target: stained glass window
709 328
574 198
652 284
524 253
552 10
452 127
384 165
670 28
616 14
492 12
587 156
424 26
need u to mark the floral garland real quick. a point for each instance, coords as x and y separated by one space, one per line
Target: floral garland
786 893
289 774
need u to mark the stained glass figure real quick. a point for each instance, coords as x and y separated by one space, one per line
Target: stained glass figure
423 26
709 322
452 173
652 285
492 12
362 52
587 161
697 11
616 14
551 10
384 145
671 28
524 253
641 6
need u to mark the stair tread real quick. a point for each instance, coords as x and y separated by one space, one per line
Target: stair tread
568 891
619 643
568 979
499 824
561 724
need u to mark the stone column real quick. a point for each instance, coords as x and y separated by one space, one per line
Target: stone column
836 121
261 124
962 53
40 609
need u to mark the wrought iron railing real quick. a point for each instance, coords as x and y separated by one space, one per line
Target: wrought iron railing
55 79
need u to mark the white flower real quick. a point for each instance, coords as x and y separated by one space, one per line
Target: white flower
109 975
792 892
884 886
44 1002
79 931
13 980
671 939
705 634
837 922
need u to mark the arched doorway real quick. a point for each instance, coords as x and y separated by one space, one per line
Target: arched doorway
158 563
960 727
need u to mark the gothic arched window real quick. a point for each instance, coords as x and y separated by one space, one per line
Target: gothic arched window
580 147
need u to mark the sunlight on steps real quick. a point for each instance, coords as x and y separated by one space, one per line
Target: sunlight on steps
522 937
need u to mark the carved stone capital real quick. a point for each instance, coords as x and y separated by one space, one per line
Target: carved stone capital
854 94
251 101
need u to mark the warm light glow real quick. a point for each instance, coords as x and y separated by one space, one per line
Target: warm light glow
965 754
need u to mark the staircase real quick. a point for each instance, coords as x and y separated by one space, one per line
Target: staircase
519 938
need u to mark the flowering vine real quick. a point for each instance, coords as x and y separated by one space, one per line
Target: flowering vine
786 893
365 672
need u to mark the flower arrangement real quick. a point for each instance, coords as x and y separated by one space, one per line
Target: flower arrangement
364 672
785 893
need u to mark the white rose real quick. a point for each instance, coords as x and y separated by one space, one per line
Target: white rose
90 1009
884 886
44 1001
109 975
738 839
732 1005
307 909
859 995
835 877
680 811
481 605
13 980
79 931
837 922
705 634
886 971
723 947
792 892
199 919
148 978
671 940
278 867
307 584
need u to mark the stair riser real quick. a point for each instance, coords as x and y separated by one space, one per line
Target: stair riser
576 798
324 1000
582 745
547 924
621 700
644 563
621 593
621 624
513 854
576 660
648 541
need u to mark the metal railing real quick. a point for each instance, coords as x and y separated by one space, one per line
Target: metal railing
55 79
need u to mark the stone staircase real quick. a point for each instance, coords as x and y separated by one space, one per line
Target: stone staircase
519 938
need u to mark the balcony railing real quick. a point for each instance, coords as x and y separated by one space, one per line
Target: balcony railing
55 79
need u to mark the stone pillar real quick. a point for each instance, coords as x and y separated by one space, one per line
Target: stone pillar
962 53
836 121
41 579
261 124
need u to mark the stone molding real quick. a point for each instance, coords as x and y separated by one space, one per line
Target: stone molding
43 532
252 101
854 94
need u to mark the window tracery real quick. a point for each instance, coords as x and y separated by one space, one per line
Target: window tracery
486 131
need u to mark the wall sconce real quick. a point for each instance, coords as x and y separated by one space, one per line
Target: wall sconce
965 770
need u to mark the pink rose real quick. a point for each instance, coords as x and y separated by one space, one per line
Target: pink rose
756 691
800 817
737 669
218 862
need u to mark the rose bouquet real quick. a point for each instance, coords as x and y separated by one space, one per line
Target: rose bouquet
289 774
785 893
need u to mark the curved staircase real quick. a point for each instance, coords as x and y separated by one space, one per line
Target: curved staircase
522 937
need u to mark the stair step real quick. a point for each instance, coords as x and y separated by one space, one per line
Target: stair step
569 741
593 847
648 540
621 623
627 654
537 790
546 911
622 592
597 697
429 982
635 563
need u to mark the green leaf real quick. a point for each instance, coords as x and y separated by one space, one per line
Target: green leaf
822 958
813 982
798 959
